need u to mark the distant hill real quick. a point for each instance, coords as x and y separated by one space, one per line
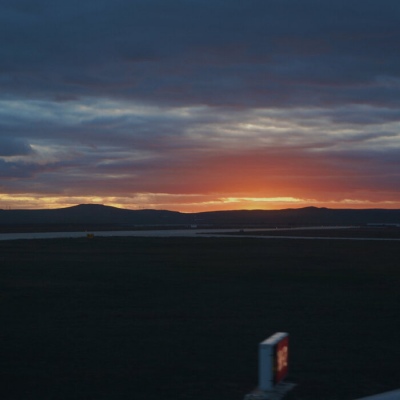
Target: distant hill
90 214
94 215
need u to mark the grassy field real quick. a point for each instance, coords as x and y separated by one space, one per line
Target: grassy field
181 318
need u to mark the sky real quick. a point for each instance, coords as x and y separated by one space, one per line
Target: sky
198 105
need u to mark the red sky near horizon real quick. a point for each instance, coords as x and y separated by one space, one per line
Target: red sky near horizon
200 105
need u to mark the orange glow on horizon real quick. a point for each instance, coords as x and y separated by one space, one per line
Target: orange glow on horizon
186 203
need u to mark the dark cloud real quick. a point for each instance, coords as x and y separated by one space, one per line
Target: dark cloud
364 115
15 170
238 53
13 147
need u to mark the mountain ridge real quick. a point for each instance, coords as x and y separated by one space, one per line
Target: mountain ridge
98 214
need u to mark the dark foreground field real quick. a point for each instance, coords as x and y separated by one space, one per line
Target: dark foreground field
132 318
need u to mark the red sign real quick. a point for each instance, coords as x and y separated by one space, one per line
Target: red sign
281 358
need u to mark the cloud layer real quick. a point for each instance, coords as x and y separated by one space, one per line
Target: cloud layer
193 105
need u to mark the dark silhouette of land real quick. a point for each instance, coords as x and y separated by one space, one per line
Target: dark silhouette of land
181 318
99 217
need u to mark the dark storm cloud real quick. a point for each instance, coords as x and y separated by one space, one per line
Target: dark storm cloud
242 53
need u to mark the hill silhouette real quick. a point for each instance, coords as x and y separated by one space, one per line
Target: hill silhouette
106 217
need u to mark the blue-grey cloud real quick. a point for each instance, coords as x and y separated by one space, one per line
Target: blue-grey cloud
139 96
10 146
253 53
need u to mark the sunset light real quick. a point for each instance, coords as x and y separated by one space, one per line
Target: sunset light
173 113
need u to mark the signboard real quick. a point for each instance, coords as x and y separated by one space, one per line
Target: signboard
273 360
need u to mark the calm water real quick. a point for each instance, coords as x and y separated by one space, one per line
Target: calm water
176 233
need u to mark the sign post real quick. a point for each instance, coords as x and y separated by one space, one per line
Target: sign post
273 360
